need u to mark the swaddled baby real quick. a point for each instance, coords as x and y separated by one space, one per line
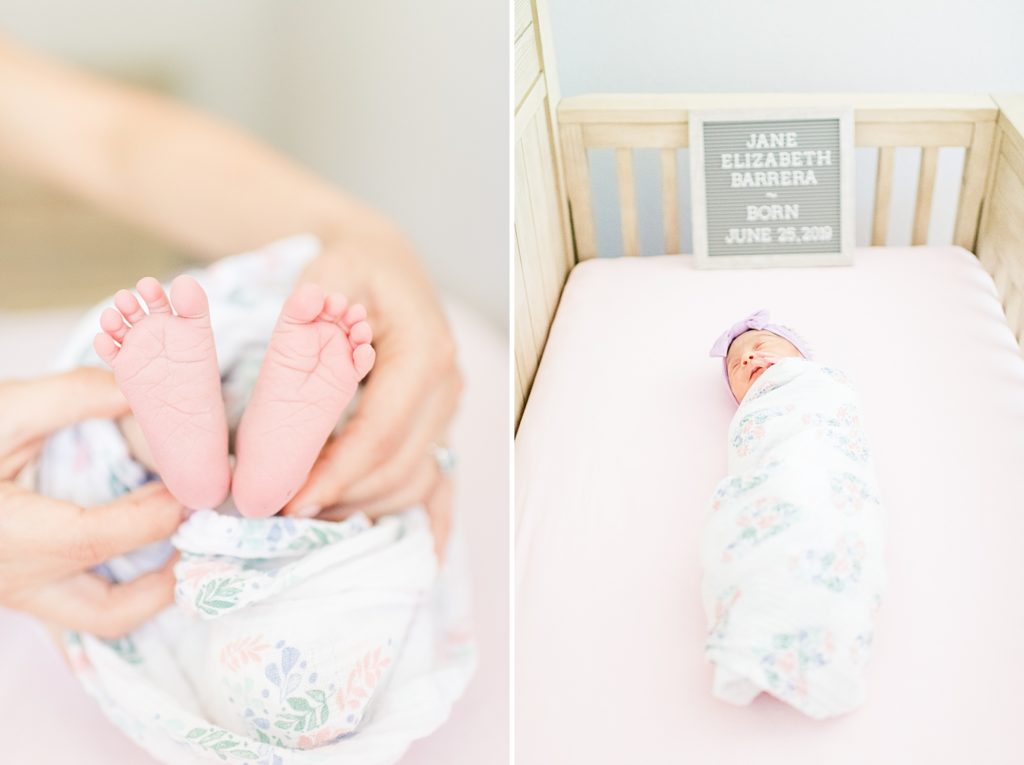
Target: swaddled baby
293 640
792 550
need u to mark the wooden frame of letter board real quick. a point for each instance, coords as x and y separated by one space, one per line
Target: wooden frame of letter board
697 188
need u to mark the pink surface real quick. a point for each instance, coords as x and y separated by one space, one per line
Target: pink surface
623 442
47 719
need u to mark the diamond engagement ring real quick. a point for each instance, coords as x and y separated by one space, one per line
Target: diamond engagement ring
443 456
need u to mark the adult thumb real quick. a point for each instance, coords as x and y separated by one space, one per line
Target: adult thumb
131 521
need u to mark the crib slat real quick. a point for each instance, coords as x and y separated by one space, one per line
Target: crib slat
627 202
925 194
883 196
976 173
670 200
577 186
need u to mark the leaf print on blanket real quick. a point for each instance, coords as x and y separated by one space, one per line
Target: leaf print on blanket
750 429
738 485
723 607
221 743
281 534
362 682
319 536
286 673
860 650
307 713
218 595
843 429
837 568
850 493
762 391
193 574
77 656
125 648
247 650
321 738
792 657
760 521
838 375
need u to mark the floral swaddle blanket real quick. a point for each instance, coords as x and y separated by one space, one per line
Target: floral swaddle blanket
792 550
292 640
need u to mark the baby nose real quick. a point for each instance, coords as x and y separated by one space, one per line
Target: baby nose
749 358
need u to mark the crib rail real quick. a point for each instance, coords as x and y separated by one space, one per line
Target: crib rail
625 123
1000 246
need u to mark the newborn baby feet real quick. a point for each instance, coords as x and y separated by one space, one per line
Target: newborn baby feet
319 351
166 366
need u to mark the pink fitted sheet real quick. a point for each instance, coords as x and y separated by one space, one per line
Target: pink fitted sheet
623 441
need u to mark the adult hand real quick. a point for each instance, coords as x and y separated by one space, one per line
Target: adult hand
30 410
382 460
47 547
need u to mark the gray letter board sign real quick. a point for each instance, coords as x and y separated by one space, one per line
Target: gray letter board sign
772 187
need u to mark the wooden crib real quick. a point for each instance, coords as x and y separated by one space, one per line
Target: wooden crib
554 138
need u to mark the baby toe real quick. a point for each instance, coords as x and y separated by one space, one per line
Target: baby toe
304 304
334 307
363 357
105 347
153 293
113 324
129 306
355 314
360 333
188 298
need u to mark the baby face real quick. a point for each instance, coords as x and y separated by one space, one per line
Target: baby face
750 354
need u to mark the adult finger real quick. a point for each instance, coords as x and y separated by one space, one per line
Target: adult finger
437 502
431 422
439 508
33 409
134 520
89 603
413 492
392 396
76 395
12 464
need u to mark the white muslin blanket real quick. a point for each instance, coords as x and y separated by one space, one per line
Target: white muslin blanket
291 641
792 550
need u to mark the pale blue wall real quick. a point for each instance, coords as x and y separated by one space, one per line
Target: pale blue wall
797 46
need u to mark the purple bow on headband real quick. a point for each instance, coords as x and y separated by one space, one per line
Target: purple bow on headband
756 320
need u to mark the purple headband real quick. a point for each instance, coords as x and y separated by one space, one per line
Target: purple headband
756 320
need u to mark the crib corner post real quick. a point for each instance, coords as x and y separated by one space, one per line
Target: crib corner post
977 165
577 186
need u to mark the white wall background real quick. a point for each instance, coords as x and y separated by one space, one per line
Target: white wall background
660 46
403 103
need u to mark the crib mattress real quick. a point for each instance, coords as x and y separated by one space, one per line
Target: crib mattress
623 442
